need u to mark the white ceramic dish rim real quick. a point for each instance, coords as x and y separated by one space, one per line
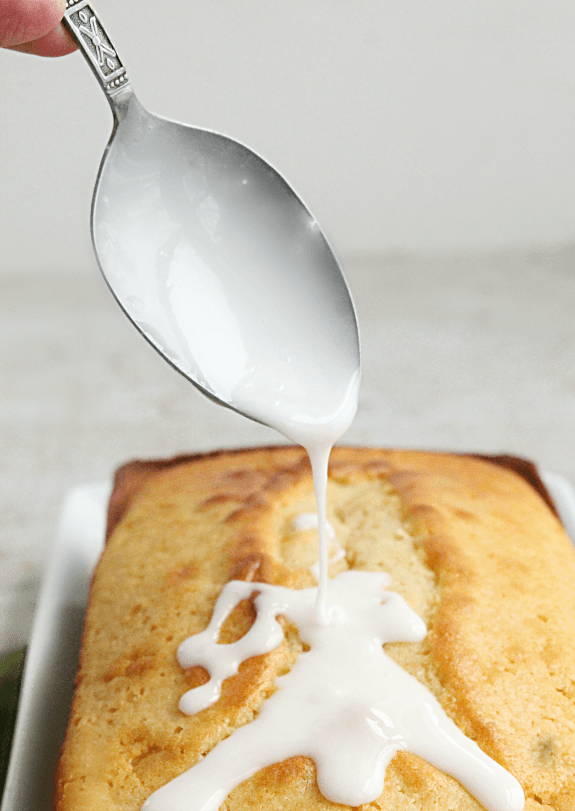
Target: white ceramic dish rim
53 651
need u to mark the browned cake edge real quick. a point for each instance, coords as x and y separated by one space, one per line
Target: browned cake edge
131 476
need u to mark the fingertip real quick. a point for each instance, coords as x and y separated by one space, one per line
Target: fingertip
23 21
57 42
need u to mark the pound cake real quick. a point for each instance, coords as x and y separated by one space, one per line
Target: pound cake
472 547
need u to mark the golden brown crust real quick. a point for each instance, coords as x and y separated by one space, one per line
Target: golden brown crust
471 545
130 477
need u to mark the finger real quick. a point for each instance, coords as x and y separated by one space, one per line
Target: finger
57 42
22 21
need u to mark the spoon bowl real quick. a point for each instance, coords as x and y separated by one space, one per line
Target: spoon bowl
217 261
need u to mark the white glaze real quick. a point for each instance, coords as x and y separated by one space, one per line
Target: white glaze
232 281
226 272
344 703
307 521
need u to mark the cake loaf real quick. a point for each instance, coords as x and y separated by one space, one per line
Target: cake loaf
471 546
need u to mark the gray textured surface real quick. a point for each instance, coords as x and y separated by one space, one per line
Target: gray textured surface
464 353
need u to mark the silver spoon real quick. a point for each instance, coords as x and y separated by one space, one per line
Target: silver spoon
214 258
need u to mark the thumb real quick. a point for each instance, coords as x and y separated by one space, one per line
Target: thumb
23 21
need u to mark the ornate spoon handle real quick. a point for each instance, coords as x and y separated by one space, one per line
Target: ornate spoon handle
94 43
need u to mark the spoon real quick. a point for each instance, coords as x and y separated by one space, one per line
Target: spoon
218 262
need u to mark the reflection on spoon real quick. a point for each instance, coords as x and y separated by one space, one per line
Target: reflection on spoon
224 270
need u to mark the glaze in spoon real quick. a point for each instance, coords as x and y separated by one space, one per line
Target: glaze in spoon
218 262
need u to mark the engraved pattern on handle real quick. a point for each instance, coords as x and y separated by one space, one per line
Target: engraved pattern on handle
88 31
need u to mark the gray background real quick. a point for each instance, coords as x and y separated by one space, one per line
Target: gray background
406 126
434 144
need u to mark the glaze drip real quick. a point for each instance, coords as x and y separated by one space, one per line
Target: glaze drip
344 703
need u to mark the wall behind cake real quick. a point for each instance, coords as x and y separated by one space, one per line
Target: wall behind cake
410 126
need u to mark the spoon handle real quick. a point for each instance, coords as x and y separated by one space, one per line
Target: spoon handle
87 30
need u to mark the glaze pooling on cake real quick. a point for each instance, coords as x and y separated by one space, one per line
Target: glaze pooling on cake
307 521
344 703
